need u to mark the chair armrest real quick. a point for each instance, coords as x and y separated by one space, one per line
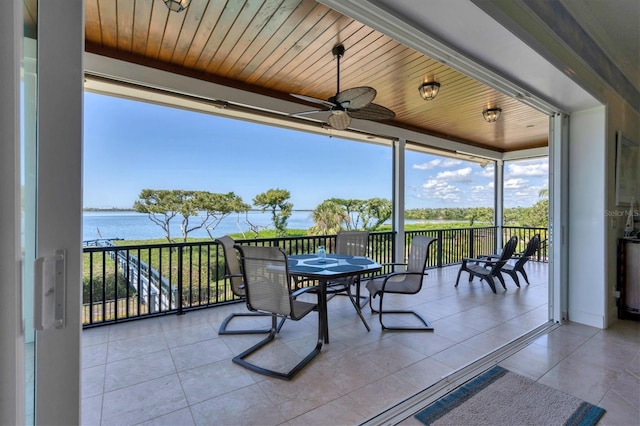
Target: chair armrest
302 290
486 261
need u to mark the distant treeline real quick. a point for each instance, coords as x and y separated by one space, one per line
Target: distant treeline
535 216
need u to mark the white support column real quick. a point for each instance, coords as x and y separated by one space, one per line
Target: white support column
558 216
59 180
398 197
498 211
12 407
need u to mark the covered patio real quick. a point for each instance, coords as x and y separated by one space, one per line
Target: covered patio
177 370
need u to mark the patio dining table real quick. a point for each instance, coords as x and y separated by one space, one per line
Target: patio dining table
312 267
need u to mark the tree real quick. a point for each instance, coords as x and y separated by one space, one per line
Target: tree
275 200
335 213
160 205
219 206
204 208
328 217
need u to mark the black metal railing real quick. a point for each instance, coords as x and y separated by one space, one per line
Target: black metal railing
125 282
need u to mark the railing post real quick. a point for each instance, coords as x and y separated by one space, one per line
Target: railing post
439 260
472 248
180 311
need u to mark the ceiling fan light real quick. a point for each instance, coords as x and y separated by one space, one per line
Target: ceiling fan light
339 120
177 5
491 115
429 90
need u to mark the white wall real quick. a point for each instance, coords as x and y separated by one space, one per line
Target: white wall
586 227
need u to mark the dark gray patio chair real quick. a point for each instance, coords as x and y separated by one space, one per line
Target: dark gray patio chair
267 283
234 274
521 258
487 268
404 282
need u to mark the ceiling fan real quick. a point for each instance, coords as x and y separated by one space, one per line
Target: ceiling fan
348 104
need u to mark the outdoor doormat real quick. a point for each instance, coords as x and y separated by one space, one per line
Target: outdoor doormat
501 397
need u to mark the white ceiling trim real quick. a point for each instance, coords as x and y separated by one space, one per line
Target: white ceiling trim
379 14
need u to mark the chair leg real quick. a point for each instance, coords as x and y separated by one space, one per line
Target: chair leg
501 279
240 359
524 275
427 324
458 279
513 274
356 305
222 331
491 283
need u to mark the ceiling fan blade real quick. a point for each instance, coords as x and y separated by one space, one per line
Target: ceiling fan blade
356 98
339 120
315 111
372 112
314 100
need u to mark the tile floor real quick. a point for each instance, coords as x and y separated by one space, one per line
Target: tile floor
176 370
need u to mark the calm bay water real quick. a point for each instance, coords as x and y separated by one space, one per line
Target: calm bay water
130 225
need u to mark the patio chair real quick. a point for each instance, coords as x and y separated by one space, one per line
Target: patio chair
521 258
487 268
352 243
234 274
267 283
404 282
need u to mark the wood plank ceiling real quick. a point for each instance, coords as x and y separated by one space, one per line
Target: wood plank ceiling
279 47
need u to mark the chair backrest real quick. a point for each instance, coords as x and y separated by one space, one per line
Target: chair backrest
352 243
507 252
232 264
532 247
266 279
417 263
419 253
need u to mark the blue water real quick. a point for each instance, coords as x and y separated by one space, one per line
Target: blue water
129 225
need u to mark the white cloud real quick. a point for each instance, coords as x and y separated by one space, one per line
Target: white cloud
434 189
515 183
460 175
528 168
429 165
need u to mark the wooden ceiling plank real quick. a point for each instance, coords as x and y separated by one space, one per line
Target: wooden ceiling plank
92 24
108 23
126 15
141 26
238 62
261 19
232 38
157 27
315 19
193 21
208 23
314 39
229 15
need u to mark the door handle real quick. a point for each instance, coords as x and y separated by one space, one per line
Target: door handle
49 291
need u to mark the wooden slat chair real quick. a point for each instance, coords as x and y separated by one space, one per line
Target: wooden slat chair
487 268
267 284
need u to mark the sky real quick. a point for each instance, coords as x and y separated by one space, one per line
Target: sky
130 146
